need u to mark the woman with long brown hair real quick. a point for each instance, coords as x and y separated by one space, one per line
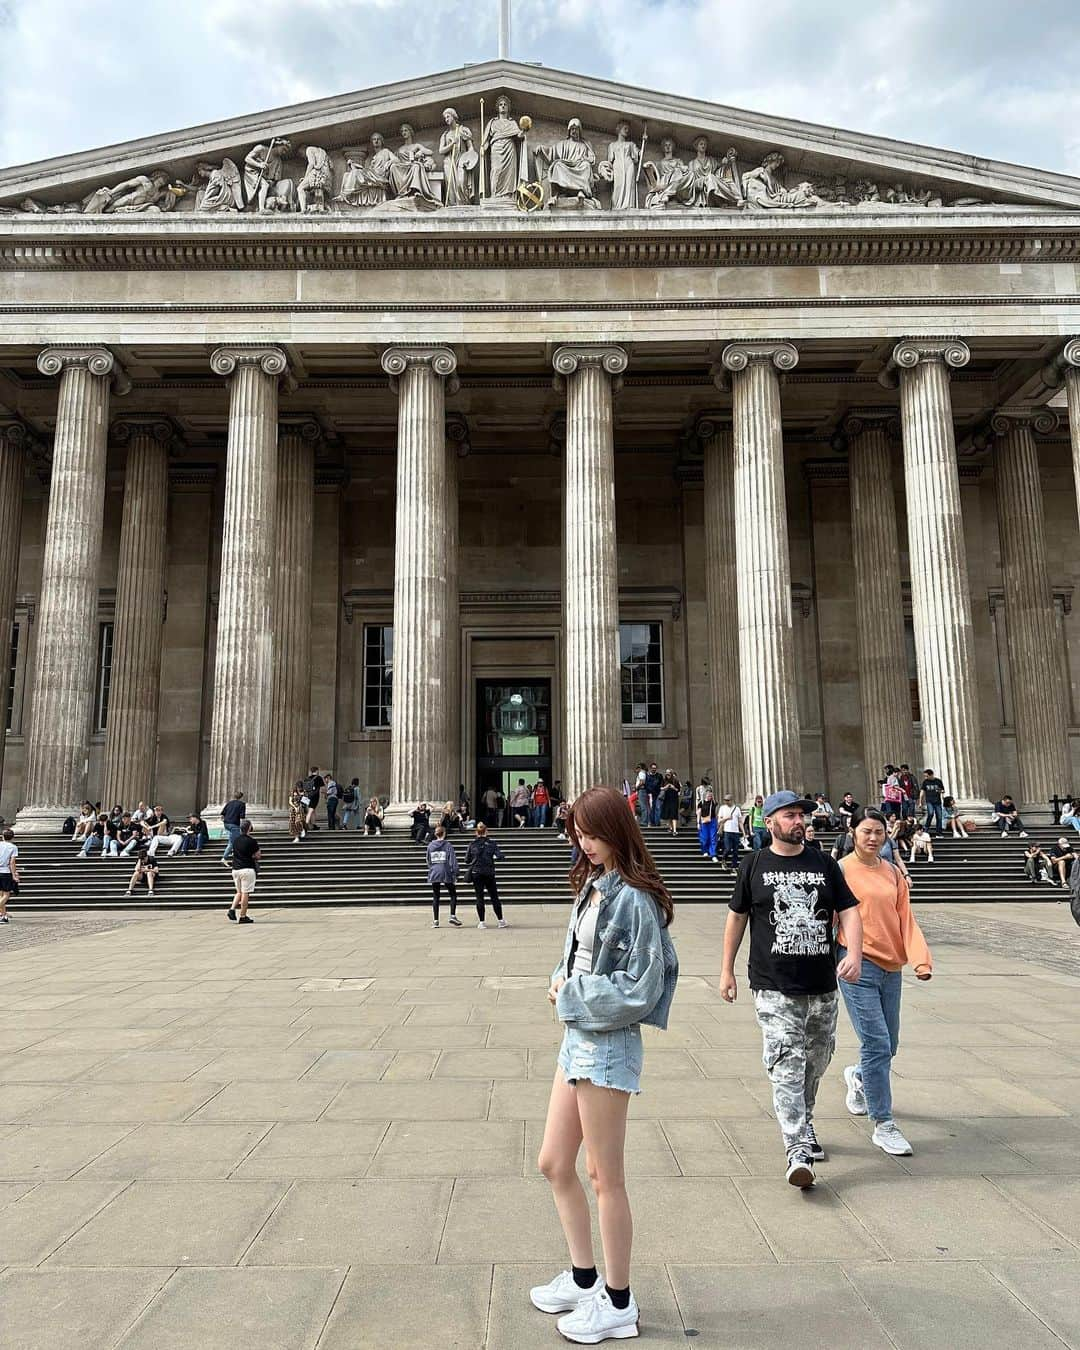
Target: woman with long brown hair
618 970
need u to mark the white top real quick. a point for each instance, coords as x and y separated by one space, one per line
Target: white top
585 932
732 819
7 852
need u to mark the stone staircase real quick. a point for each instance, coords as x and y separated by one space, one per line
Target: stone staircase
349 869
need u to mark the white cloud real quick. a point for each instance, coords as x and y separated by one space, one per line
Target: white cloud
983 76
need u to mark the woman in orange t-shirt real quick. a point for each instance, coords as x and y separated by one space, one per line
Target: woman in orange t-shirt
891 940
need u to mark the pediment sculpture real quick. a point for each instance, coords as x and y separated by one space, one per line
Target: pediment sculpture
495 168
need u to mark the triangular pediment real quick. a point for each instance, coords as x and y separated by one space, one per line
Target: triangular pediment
331 163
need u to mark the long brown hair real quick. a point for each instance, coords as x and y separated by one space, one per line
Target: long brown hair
605 814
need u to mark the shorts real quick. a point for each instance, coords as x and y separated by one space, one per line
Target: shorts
611 1059
244 878
8 883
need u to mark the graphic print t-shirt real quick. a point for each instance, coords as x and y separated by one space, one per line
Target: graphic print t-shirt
792 903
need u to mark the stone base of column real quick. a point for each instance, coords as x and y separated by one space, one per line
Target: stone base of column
398 815
1038 813
977 809
264 819
43 819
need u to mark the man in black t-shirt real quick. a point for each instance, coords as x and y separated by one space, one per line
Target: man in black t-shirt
245 861
931 792
791 896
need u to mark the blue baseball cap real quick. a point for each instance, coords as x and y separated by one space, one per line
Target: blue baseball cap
776 801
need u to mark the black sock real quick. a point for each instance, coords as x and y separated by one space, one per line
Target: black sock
584 1276
620 1298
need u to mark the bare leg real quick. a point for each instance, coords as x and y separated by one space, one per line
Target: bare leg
557 1161
242 898
603 1123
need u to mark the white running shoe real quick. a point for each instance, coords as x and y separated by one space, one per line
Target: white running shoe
855 1101
503 923
434 923
1004 834
597 1319
800 1170
1023 834
562 1294
481 924
455 920
888 1138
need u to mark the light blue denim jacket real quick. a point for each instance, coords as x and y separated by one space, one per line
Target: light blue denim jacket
635 968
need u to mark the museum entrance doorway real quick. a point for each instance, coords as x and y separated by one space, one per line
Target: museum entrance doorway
513 738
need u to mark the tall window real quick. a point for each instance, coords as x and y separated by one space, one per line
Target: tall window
104 676
641 657
13 666
378 675
913 670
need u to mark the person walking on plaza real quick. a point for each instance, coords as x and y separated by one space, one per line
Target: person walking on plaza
232 817
603 991
931 794
480 859
9 872
891 939
442 871
246 855
731 827
706 825
791 897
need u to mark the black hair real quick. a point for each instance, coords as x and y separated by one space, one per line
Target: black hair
868 813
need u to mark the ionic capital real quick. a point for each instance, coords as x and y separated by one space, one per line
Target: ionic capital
272 361
158 429
912 352
710 424
97 360
569 360
1066 363
737 356
440 360
301 425
858 420
1070 353
457 434
1040 421
15 436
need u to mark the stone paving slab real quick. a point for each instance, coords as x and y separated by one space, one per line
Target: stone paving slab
174 1174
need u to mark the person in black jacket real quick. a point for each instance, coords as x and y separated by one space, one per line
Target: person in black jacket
480 861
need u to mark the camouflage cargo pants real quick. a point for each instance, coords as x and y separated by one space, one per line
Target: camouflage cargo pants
799 1036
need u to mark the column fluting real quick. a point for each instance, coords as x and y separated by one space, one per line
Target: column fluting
1042 747
1070 368
418 735
57 746
940 593
884 689
457 447
290 703
770 710
718 449
14 442
131 733
593 722
243 659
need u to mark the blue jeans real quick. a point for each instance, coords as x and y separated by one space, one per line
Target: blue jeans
92 840
642 806
707 837
654 810
874 1008
1072 821
935 813
731 846
761 837
233 831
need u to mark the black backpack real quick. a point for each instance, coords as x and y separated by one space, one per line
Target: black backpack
348 795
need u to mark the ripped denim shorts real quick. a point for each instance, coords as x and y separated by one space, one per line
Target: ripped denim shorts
611 1059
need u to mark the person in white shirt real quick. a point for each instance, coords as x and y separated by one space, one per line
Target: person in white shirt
921 842
731 825
9 872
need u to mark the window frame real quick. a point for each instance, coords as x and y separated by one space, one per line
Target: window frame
384 685
649 724
103 673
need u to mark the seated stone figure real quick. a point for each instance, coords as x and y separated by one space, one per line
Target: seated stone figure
573 167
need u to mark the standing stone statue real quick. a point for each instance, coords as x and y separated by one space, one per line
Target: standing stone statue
573 164
764 190
620 169
317 184
459 161
141 193
222 187
264 174
501 136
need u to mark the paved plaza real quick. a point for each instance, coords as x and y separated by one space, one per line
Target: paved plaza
322 1131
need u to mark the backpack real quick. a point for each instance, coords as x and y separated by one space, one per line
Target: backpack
309 785
68 826
348 796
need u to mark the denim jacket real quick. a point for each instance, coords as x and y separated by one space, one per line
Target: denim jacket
635 968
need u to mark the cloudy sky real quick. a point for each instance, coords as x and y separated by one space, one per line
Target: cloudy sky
989 77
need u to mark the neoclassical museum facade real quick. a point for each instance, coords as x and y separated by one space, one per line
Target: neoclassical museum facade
509 422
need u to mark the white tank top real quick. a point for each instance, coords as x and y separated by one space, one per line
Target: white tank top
585 932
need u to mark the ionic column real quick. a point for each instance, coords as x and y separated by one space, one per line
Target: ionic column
290 702
56 749
770 710
132 732
418 734
1042 747
14 441
457 447
717 441
593 724
940 595
884 691
243 660
1069 366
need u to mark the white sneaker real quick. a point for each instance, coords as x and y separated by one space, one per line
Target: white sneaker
1023 834
562 1294
597 1319
503 923
855 1101
481 924
800 1171
434 923
1004 834
455 920
888 1138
